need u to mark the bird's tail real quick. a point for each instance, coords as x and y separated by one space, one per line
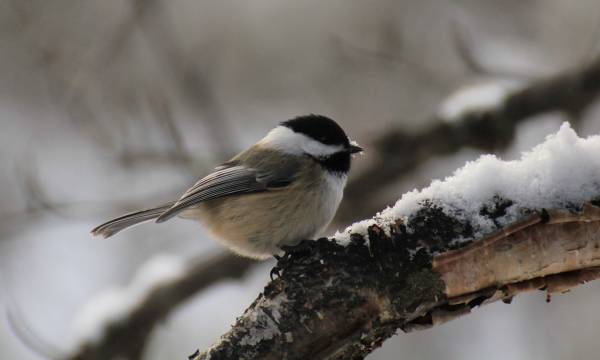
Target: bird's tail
113 226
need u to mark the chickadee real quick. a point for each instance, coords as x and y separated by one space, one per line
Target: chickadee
281 190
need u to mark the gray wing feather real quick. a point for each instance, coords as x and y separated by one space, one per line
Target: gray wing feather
230 180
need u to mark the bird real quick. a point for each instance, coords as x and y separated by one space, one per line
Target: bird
283 189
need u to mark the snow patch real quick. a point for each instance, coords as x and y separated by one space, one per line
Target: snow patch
114 305
562 171
477 97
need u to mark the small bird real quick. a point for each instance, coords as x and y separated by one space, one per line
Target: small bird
284 189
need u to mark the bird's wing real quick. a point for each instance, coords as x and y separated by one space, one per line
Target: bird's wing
233 179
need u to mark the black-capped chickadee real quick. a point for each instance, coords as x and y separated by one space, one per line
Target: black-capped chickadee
281 190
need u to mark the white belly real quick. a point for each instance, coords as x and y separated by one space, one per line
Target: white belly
331 196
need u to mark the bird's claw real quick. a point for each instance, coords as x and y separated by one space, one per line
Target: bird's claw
300 248
275 271
288 252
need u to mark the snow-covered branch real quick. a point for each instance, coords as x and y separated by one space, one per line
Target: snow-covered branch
118 323
485 117
491 231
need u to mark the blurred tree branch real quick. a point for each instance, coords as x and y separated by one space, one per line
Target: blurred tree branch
196 86
399 153
84 85
127 338
466 49
388 52
342 302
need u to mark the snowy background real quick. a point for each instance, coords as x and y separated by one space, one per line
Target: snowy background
110 106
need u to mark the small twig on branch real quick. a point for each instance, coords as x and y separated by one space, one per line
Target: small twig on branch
464 49
196 86
470 56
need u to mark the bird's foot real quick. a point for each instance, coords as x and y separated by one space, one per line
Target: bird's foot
289 251
301 248
275 272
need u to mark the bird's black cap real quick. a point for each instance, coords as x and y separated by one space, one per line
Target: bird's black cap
320 128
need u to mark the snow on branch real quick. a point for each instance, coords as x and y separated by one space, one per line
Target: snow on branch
117 323
483 117
492 230
562 172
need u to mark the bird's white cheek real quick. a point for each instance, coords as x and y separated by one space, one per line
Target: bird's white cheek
287 141
318 149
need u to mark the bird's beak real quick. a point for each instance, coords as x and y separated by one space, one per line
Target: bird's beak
354 148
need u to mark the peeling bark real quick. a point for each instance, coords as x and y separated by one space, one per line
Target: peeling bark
342 302
525 250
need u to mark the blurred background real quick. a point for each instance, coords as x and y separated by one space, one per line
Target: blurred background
112 106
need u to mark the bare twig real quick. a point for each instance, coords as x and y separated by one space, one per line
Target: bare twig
464 49
195 85
353 53
468 53
29 337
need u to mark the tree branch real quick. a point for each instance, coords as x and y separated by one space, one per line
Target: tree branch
342 302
